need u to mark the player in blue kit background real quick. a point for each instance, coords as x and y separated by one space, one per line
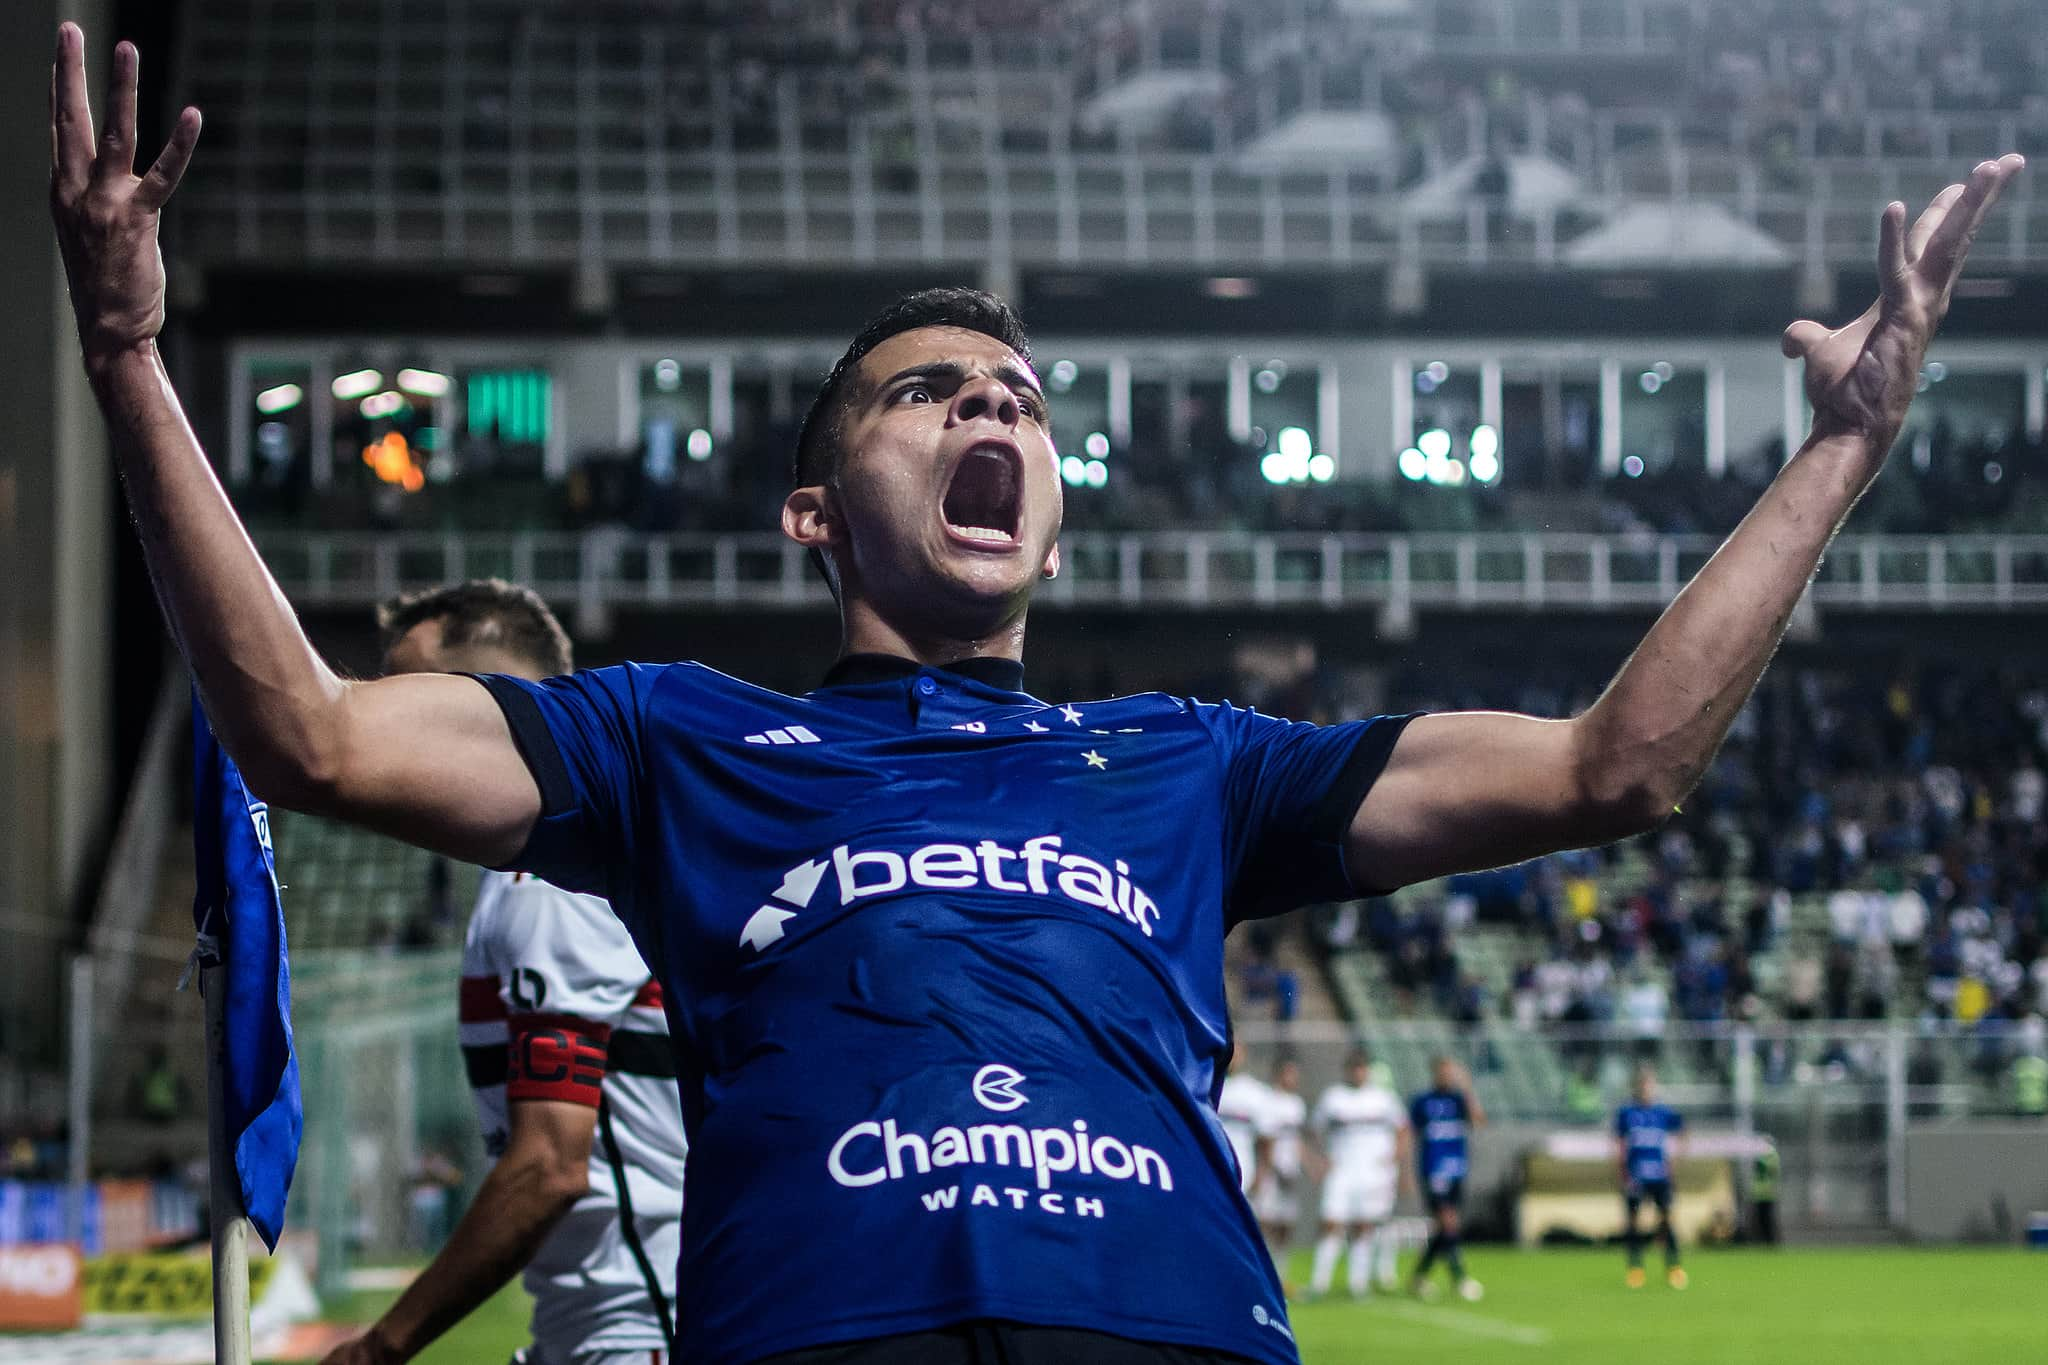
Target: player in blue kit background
1443 1119
1646 1141
943 960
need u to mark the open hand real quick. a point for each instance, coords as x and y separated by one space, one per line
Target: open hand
106 215
1860 378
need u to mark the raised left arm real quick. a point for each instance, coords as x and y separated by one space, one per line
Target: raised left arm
1470 790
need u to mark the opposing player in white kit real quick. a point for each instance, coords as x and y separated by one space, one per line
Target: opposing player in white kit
1363 1129
567 1048
1242 1107
1277 1198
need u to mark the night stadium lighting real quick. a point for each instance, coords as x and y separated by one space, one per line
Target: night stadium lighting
1074 470
1650 381
1097 445
1485 442
1266 381
1485 465
1633 466
1413 464
1273 468
1097 474
425 383
280 398
382 404
698 445
357 384
1322 468
1295 443
668 375
1063 375
1435 444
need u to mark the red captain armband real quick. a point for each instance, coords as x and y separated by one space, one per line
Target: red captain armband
557 1057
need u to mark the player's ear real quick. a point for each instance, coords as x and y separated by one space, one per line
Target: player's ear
808 517
1051 568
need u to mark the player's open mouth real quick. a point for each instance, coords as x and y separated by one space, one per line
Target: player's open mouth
983 500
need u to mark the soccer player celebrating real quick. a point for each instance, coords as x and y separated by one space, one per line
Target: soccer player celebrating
943 962
1646 1139
567 1047
1364 1133
1445 1116
1277 1199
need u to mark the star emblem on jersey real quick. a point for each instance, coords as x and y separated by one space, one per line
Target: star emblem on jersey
799 884
1095 760
1034 727
1073 717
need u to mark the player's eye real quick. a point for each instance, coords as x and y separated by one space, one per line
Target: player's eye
915 393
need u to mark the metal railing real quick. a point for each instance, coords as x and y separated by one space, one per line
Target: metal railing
1173 570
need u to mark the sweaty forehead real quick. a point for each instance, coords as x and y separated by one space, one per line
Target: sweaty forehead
932 345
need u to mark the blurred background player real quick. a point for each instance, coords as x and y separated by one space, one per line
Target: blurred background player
1445 1117
1646 1140
567 1049
1365 1135
1277 1198
1242 1106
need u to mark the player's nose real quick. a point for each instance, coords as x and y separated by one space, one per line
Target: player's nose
985 397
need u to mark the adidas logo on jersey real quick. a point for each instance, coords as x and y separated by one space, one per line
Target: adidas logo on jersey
794 734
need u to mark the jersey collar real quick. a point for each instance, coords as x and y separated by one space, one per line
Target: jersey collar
1006 675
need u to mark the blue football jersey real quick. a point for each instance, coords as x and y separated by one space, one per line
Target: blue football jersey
944 970
1645 1132
1442 1122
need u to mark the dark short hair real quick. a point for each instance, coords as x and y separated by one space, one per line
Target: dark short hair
483 611
817 442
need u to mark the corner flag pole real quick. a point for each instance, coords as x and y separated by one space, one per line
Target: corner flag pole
228 1223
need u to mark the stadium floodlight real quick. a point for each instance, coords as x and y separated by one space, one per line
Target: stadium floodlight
1651 381
1063 375
1437 467
1097 445
279 398
1097 474
668 375
1454 473
425 383
1633 466
1485 465
1267 380
382 404
357 384
698 445
1295 443
1273 468
1414 465
1074 470
1435 444
1485 441
1322 468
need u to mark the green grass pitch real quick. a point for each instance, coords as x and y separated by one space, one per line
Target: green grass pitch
1879 1306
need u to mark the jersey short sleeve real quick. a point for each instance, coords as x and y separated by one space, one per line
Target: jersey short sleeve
581 737
1290 789
570 974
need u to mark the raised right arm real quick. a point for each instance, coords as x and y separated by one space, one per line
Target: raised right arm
428 759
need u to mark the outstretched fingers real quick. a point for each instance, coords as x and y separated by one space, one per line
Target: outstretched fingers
70 114
1942 261
1891 245
1931 217
1801 337
169 168
117 143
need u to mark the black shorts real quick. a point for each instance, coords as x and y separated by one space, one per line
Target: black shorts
1639 1192
1438 1195
990 1342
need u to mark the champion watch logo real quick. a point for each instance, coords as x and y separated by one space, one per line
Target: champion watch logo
995 1087
793 734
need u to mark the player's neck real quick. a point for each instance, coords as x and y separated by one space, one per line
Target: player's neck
867 630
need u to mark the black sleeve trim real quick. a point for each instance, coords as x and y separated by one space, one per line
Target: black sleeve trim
1330 820
536 745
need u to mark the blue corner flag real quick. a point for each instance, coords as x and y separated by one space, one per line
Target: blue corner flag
241 921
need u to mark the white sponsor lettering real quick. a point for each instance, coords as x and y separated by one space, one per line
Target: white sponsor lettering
873 1151
1040 868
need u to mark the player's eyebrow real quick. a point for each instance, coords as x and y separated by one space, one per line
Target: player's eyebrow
952 371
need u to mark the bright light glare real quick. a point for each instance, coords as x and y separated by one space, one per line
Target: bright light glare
1098 474
1322 468
1633 466
1274 468
282 398
1266 381
1454 473
1651 381
1064 373
1073 469
668 375
382 404
1435 444
698 444
426 383
1097 445
357 383
1413 464
1485 442
1295 443
1485 465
